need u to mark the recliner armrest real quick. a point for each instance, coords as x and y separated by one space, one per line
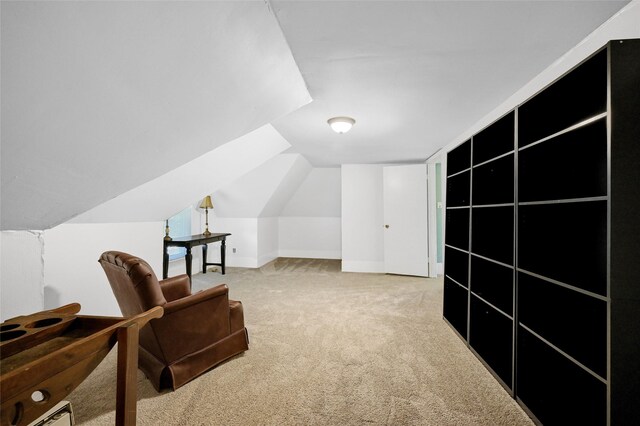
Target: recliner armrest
218 291
175 288
193 322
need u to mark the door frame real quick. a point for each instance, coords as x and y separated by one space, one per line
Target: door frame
436 268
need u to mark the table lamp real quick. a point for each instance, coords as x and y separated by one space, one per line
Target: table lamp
166 231
206 205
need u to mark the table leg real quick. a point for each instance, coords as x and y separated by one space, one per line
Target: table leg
126 387
165 264
223 251
204 258
188 258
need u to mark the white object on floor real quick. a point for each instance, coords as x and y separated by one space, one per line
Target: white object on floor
60 415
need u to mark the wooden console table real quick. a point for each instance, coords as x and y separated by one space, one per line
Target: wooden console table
188 243
44 356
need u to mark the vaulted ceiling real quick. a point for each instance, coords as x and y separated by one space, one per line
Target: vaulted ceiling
100 98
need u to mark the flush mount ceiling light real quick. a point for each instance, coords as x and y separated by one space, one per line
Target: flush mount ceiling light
341 124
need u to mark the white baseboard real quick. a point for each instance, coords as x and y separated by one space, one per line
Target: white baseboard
440 268
312 254
241 262
362 266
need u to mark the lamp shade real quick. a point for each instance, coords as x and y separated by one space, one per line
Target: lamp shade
206 203
341 124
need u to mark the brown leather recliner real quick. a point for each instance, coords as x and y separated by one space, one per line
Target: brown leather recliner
197 331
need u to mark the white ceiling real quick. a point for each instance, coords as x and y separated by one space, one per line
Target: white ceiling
165 196
416 74
99 98
264 191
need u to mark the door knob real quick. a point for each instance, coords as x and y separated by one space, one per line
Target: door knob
386 226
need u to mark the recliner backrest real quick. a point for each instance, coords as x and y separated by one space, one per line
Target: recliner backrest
133 282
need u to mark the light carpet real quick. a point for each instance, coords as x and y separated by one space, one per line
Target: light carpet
326 348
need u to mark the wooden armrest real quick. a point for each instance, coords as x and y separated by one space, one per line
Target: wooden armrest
218 291
175 288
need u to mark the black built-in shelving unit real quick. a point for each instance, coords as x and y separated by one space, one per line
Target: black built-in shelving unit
542 244
456 289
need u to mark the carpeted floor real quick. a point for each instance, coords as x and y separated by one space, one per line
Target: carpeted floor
326 348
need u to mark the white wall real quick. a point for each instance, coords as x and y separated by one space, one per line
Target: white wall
45 270
268 242
21 273
310 224
254 239
362 218
244 238
71 269
297 207
310 237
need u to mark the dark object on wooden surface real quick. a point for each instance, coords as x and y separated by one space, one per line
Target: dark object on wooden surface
194 241
197 332
44 356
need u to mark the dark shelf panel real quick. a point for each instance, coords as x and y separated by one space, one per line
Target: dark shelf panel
493 182
566 242
457 265
579 95
625 231
577 209
554 388
491 336
459 190
493 283
457 228
494 140
455 306
459 158
492 233
625 170
572 321
572 165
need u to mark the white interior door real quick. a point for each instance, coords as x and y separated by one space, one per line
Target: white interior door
405 220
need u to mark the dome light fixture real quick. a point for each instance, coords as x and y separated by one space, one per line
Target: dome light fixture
341 124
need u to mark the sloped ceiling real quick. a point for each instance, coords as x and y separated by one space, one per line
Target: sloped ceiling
416 74
297 173
161 198
319 195
264 191
101 97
